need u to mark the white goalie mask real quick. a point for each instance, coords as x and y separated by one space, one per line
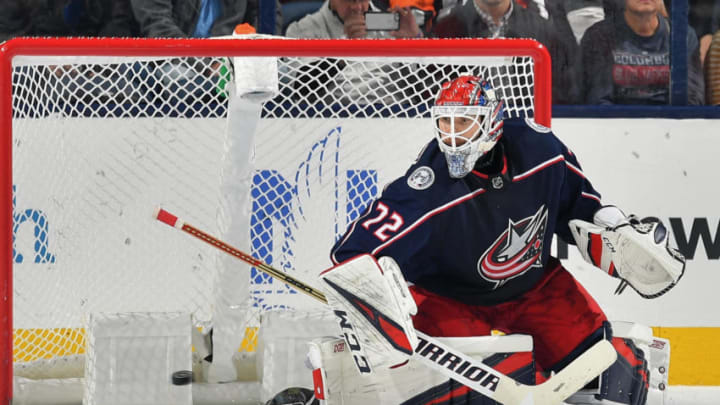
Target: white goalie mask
468 120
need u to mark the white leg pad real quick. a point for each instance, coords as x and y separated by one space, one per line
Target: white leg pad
657 354
336 379
659 369
640 334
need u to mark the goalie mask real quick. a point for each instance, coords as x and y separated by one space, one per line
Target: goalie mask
468 119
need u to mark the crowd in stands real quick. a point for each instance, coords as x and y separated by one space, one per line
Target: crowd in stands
603 51
627 60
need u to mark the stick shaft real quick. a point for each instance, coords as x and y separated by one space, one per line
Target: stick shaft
173 221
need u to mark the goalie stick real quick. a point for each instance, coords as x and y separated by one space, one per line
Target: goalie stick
448 361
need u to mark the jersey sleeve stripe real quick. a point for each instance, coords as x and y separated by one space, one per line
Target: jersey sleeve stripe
351 229
575 169
591 196
427 216
539 167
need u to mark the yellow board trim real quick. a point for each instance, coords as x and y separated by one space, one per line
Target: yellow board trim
694 352
694 355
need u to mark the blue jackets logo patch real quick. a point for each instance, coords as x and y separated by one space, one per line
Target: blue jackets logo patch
516 250
421 178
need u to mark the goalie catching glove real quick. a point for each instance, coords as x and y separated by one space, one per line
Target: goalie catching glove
374 305
632 249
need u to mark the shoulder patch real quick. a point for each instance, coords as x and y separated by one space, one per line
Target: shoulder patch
421 178
537 127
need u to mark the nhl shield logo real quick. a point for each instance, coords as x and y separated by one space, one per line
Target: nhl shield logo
422 178
497 182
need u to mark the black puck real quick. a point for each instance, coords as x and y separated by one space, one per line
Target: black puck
182 377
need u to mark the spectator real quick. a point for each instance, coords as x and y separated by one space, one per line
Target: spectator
626 59
16 19
193 79
582 14
111 18
293 10
704 17
506 19
67 18
424 11
349 82
559 13
71 82
712 70
578 15
551 10
346 19
197 18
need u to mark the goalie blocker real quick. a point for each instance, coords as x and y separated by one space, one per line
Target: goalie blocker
374 305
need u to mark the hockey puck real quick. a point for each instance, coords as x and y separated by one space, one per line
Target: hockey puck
182 377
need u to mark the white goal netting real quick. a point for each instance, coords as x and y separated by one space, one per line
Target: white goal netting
98 142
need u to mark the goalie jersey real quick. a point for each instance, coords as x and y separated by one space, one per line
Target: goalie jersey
483 239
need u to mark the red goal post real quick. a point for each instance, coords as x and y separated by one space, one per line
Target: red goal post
435 50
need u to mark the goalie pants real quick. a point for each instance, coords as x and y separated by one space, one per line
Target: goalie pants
560 315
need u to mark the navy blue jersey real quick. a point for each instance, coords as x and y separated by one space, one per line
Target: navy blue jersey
482 239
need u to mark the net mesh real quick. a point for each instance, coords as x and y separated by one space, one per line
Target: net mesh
97 145
96 148
362 88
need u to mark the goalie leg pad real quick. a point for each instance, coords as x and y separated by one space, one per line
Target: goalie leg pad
520 366
626 381
415 383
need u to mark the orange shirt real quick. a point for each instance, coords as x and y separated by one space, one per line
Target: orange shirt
426 5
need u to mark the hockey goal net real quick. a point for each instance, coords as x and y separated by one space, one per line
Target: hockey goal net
97 133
